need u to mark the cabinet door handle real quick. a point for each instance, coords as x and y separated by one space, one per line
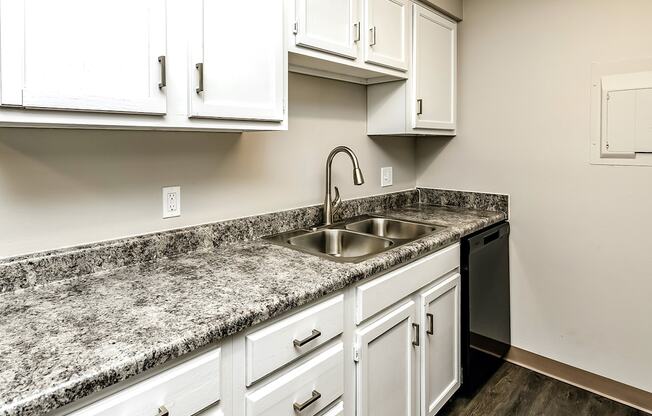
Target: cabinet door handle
416 342
161 61
431 324
200 71
300 406
372 40
163 411
420 103
301 342
356 31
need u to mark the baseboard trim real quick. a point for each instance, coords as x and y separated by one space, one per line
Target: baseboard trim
614 390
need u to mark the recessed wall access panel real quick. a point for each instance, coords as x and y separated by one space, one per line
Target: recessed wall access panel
621 129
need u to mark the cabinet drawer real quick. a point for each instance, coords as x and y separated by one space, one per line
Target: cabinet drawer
284 341
311 387
337 410
184 390
384 291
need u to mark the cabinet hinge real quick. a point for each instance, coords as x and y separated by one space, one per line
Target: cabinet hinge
295 28
356 353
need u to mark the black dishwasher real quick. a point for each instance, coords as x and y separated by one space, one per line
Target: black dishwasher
486 331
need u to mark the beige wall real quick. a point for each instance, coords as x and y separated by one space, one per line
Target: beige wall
66 187
581 253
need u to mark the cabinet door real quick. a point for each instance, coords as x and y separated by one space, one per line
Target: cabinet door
328 25
440 352
434 68
385 370
387 33
83 55
238 60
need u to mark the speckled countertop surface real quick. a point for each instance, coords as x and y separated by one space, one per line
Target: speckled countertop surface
67 339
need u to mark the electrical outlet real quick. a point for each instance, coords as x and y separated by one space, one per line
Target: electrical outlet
386 177
171 201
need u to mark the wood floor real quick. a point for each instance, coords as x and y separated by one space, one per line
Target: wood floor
516 391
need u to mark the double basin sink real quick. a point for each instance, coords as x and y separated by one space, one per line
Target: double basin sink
356 239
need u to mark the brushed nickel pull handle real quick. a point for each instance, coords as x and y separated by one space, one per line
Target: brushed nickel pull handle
301 342
416 342
356 29
163 411
431 324
200 70
372 41
420 110
164 82
300 406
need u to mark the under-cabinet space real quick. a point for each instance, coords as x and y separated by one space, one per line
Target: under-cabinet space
100 56
425 104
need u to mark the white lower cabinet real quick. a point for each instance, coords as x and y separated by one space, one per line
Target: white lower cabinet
388 346
305 390
181 390
439 320
386 364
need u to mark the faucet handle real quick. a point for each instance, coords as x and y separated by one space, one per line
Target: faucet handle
336 201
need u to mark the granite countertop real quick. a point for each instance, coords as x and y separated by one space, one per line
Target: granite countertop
64 340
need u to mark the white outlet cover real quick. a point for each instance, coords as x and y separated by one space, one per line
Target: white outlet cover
386 177
171 201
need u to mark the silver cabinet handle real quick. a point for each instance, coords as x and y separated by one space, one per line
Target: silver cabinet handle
416 342
301 342
420 103
300 406
372 41
163 83
356 30
431 324
200 71
163 411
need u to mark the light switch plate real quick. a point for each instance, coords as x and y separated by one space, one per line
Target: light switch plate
171 201
386 177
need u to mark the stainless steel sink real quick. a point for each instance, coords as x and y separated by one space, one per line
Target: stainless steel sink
340 243
390 228
355 239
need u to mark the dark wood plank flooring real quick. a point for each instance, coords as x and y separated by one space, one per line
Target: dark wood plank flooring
516 391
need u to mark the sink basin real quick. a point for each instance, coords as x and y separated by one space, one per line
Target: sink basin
390 228
355 239
339 243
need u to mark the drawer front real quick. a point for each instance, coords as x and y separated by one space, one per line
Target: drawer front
337 410
305 390
284 341
386 290
184 390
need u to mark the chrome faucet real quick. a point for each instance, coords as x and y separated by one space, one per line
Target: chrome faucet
332 205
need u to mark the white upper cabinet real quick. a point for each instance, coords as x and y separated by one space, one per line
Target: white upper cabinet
328 25
387 30
425 104
434 70
238 65
97 56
